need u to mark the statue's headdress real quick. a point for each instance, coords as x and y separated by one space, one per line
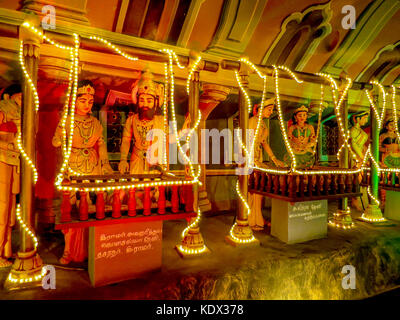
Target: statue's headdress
146 85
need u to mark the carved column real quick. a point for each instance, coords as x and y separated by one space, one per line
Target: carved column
27 267
373 212
192 242
241 233
52 86
212 95
342 218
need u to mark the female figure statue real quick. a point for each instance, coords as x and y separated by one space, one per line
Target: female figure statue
359 144
256 220
302 139
389 145
358 137
88 156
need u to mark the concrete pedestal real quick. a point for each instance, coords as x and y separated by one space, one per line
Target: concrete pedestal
300 221
124 251
392 205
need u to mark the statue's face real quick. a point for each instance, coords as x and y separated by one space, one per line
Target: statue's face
267 111
84 104
363 120
146 105
146 101
17 98
301 117
390 126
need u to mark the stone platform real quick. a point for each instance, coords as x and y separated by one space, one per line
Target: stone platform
273 270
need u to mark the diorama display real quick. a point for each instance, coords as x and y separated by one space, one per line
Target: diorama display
111 149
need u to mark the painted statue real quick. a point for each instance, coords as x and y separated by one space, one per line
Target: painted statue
10 124
359 145
147 95
389 145
358 137
88 156
256 220
302 139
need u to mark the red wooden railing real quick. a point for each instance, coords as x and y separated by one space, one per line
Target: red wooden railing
296 187
168 204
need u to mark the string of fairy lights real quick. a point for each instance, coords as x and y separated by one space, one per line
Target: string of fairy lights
69 108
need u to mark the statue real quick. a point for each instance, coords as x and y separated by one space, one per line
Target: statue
358 137
302 139
147 95
389 145
256 220
88 156
10 125
359 144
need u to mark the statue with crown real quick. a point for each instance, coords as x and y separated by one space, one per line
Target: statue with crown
146 128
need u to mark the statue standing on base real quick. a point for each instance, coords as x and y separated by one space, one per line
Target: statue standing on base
359 144
256 220
10 126
88 157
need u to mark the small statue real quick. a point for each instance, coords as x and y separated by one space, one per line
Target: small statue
389 145
302 139
256 220
147 95
10 125
358 137
84 159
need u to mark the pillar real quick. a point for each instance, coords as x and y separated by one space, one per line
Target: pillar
27 268
241 233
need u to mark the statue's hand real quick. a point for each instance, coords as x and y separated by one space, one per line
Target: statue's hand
106 169
123 166
278 163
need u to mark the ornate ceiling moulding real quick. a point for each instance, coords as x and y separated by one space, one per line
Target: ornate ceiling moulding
238 22
64 10
300 35
385 61
369 24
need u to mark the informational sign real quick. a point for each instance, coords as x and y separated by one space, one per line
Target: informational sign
299 221
124 251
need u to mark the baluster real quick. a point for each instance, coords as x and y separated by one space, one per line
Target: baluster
341 184
276 184
326 184
318 187
66 206
262 182
175 199
132 202
301 185
292 186
100 208
116 206
349 182
283 184
161 200
269 183
83 206
256 180
189 198
334 185
356 183
251 180
147 201
310 185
